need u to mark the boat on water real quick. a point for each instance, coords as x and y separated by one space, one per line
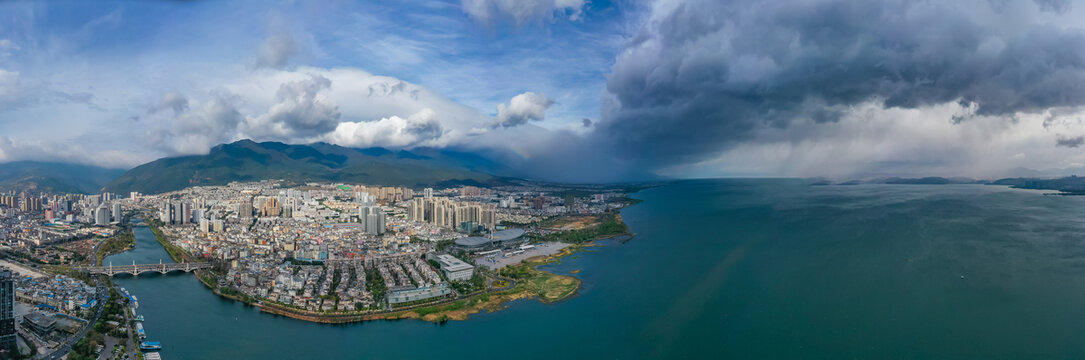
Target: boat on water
150 346
140 332
139 318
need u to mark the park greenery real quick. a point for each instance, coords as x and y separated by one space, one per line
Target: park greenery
85 348
476 283
176 253
609 225
117 244
376 286
547 286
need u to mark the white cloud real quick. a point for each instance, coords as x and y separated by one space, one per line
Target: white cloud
419 129
8 47
343 106
194 132
171 100
64 151
276 50
521 11
869 140
523 108
302 111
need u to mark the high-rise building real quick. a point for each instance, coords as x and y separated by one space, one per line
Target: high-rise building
29 203
101 216
271 207
10 201
428 192
373 219
118 214
178 214
7 310
166 216
186 213
244 209
446 213
414 210
489 218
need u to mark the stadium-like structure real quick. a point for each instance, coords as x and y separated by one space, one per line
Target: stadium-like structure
496 240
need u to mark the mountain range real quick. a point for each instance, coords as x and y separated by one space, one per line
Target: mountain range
246 160
55 177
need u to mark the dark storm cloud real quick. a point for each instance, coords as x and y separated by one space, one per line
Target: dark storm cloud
706 75
1070 142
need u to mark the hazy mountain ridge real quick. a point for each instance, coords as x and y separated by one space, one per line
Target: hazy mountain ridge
927 180
246 160
1069 184
55 177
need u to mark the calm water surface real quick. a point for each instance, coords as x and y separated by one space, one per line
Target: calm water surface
730 269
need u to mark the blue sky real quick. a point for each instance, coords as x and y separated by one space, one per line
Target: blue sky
560 89
92 68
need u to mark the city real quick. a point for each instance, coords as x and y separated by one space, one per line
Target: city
322 252
542 179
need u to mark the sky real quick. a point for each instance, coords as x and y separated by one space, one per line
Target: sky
566 90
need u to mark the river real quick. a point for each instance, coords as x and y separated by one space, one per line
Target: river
729 269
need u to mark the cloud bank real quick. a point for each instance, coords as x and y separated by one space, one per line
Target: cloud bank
704 78
699 88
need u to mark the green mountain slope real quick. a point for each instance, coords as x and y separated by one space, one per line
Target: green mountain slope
54 177
246 160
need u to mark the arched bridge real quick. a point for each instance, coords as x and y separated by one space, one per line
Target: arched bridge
136 269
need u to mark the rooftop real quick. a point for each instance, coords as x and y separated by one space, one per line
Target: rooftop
451 263
472 241
506 235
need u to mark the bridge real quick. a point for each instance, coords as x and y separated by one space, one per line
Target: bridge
136 269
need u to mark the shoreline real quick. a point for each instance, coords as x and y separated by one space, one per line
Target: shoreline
440 311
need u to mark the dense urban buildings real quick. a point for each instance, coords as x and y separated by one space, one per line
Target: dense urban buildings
313 247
